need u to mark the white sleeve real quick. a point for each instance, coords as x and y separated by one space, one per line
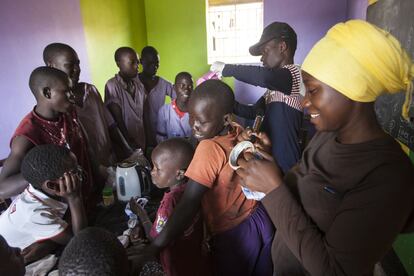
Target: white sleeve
45 223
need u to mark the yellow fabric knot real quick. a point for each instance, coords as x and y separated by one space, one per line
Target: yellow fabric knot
361 61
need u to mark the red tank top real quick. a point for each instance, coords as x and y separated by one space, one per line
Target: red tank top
66 131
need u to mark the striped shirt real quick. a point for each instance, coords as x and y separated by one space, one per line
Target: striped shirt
298 90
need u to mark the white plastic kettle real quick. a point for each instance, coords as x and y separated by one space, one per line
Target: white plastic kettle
129 179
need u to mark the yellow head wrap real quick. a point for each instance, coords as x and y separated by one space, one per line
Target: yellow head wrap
361 61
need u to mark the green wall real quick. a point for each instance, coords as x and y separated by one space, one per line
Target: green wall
404 246
108 25
177 30
177 34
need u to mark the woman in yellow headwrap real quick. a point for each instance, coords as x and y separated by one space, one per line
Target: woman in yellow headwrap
340 209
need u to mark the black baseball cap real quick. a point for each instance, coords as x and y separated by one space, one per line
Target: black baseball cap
274 30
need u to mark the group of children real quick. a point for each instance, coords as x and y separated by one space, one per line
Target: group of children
61 150
205 225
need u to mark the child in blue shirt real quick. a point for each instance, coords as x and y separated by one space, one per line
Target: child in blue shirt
173 118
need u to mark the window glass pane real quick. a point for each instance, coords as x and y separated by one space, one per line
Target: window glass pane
232 29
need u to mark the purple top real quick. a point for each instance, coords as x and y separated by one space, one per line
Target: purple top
96 121
156 99
132 108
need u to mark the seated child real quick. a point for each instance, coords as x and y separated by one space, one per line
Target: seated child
100 128
11 258
156 89
125 97
94 252
241 231
183 256
173 118
52 121
38 213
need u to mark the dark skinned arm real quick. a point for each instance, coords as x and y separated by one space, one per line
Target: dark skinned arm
180 220
124 150
99 173
38 250
143 217
73 197
11 181
279 79
69 188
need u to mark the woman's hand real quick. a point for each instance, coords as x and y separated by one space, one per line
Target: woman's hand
259 175
261 140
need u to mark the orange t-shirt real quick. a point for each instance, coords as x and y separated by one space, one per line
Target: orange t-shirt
224 205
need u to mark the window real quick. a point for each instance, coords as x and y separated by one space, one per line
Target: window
232 27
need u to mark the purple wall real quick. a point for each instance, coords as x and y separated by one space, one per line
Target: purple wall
310 19
26 27
357 9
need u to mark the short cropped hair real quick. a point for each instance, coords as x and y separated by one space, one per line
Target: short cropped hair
216 92
94 252
122 51
45 162
183 75
149 50
180 149
45 76
54 49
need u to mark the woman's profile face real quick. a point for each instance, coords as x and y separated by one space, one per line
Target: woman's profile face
328 108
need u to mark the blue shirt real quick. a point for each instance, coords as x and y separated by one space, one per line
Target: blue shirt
170 124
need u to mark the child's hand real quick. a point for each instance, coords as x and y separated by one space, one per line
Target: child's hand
138 210
69 186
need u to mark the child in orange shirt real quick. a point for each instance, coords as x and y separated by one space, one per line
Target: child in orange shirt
241 231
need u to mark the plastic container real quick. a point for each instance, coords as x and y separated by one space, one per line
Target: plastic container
131 181
108 196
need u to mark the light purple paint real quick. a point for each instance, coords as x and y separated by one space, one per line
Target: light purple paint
357 9
26 27
309 18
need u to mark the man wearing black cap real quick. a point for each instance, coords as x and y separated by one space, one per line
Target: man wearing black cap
281 102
